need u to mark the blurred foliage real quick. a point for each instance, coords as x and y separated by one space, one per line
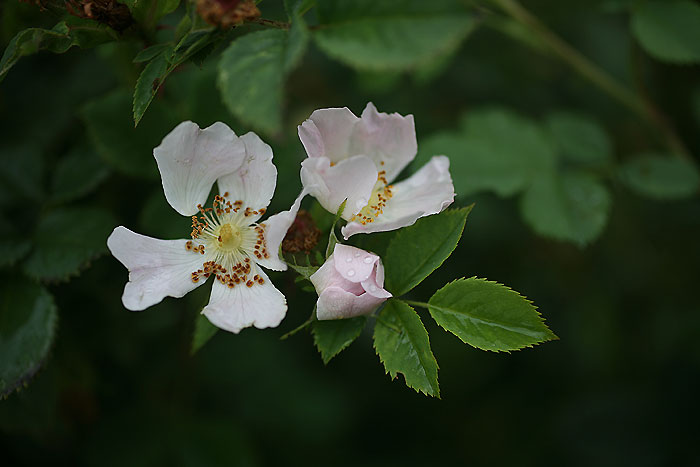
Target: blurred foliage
586 199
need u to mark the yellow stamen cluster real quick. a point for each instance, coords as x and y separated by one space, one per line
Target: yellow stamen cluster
230 239
380 196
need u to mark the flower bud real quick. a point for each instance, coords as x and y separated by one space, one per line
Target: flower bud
350 283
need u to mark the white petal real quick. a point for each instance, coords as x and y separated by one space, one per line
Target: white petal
389 139
426 192
190 160
157 268
352 179
354 264
254 181
336 303
327 133
276 228
233 309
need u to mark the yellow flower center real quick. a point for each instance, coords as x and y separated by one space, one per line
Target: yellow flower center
229 237
381 194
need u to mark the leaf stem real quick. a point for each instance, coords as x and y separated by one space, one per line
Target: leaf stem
302 326
270 23
414 303
641 105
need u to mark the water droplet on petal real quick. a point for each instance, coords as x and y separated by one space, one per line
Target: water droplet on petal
368 259
351 272
348 260
357 255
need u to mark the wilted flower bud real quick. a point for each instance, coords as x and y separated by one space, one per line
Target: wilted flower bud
350 283
302 235
227 13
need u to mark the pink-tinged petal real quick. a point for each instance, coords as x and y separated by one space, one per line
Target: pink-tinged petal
276 228
328 276
374 284
354 264
352 179
336 303
157 268
254 181
389 139
426 192
233 309
190 160
327 133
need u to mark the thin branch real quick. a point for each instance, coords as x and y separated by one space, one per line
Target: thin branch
589 70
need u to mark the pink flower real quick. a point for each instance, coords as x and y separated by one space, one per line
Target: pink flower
350 283
358 159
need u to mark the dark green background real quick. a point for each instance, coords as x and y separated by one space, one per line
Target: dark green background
619 388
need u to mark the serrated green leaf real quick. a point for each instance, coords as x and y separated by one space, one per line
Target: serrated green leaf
66 240
488 315
12 249
22 171
203 332
127 149
27 328
151 52
252 71
660 177
668 30
58 40
580 139
482 159
148 84
572 206
77 174
392 34
418 250
403 346
333 336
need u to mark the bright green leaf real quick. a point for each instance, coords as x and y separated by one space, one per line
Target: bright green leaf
333 336
125 148
303 271
203 332
27 328
580 139
66 240
572 207
669 30
416 251
488 315
252 71
391 34
332 239
77 174
660 176
403 346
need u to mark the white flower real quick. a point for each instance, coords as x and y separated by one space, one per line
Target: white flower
227 241
350 283
357 158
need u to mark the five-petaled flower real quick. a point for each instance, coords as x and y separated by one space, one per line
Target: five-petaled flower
350 283
357 158
227 241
